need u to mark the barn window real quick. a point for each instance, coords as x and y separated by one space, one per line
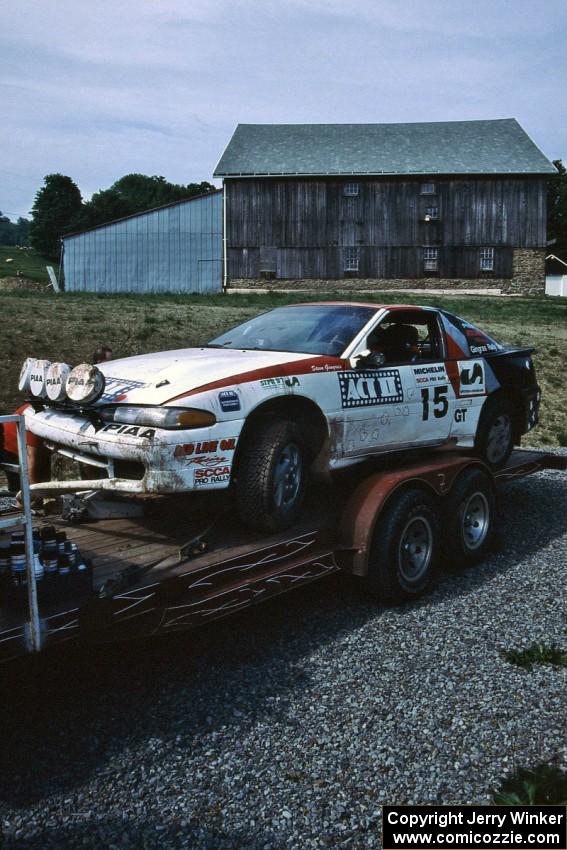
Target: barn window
351 190
351 259
428 189
487 259
431 213
430 259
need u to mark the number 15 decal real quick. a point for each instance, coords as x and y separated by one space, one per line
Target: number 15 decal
440 402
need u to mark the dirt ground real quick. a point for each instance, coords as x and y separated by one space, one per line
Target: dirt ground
69 327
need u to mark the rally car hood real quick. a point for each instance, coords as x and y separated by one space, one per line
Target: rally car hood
157 378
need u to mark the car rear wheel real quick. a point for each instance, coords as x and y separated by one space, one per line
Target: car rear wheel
404 549
495 433
469 522
270 484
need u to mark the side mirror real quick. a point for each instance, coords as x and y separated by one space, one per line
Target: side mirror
369 360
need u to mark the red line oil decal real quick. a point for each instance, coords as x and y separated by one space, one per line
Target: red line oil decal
205 447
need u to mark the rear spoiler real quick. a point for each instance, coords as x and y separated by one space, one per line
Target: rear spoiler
506 352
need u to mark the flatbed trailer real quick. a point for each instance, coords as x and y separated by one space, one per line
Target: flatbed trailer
188 561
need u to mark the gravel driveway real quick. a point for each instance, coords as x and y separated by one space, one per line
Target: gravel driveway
289 726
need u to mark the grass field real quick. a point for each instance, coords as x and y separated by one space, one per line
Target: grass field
26 261
69 327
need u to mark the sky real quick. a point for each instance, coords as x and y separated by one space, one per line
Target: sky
99 90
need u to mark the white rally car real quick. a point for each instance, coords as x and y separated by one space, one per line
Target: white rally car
321 384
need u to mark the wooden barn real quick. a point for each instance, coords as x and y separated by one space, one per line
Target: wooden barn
458 204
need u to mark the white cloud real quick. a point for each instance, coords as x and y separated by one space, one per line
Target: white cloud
99 90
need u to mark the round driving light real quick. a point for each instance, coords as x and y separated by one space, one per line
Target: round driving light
55 380
84 384
25 374
37 377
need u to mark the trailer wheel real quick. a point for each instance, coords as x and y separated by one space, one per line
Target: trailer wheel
470 519
495 433
271 479
403 553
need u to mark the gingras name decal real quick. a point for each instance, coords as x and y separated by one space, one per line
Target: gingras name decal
365 389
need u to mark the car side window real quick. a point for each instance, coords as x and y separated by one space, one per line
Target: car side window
407 337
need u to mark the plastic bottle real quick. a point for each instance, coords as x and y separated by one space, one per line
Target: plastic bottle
4 555
37 564
61 538
64 564
18 563
49 550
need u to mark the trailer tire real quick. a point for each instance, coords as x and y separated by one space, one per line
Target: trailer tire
470 519
495 433
272 468
404 549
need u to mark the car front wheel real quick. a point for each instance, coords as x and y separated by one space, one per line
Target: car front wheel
270 485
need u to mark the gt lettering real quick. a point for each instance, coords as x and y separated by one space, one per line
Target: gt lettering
461 414
440 402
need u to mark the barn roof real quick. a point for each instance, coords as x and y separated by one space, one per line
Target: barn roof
443 147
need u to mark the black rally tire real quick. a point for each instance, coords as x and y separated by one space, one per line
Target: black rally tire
410 515
495 433
470 519
262 467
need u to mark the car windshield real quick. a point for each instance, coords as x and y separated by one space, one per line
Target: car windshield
313 329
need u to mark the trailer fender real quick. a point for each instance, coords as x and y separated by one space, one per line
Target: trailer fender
369 499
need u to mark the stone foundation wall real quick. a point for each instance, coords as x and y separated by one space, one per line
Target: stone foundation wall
528 278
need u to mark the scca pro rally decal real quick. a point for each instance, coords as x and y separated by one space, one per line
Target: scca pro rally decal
364 389
208 476
471 377
428 375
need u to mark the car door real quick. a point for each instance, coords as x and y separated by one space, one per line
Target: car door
407 402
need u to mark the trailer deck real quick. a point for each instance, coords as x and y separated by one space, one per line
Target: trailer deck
188 561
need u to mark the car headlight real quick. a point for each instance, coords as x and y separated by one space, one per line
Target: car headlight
24 384
55 381
84 384
158 417
37 377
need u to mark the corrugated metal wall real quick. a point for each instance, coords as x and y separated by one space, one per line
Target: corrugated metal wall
177 248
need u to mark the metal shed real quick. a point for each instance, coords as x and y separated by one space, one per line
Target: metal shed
175 248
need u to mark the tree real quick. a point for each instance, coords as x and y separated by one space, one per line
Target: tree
22 231
557 210
56 205
134 193
13 234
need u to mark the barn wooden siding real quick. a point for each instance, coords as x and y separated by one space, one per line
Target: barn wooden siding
300 228
177 248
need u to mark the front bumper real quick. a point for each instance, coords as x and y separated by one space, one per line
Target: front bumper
116 485
137 459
